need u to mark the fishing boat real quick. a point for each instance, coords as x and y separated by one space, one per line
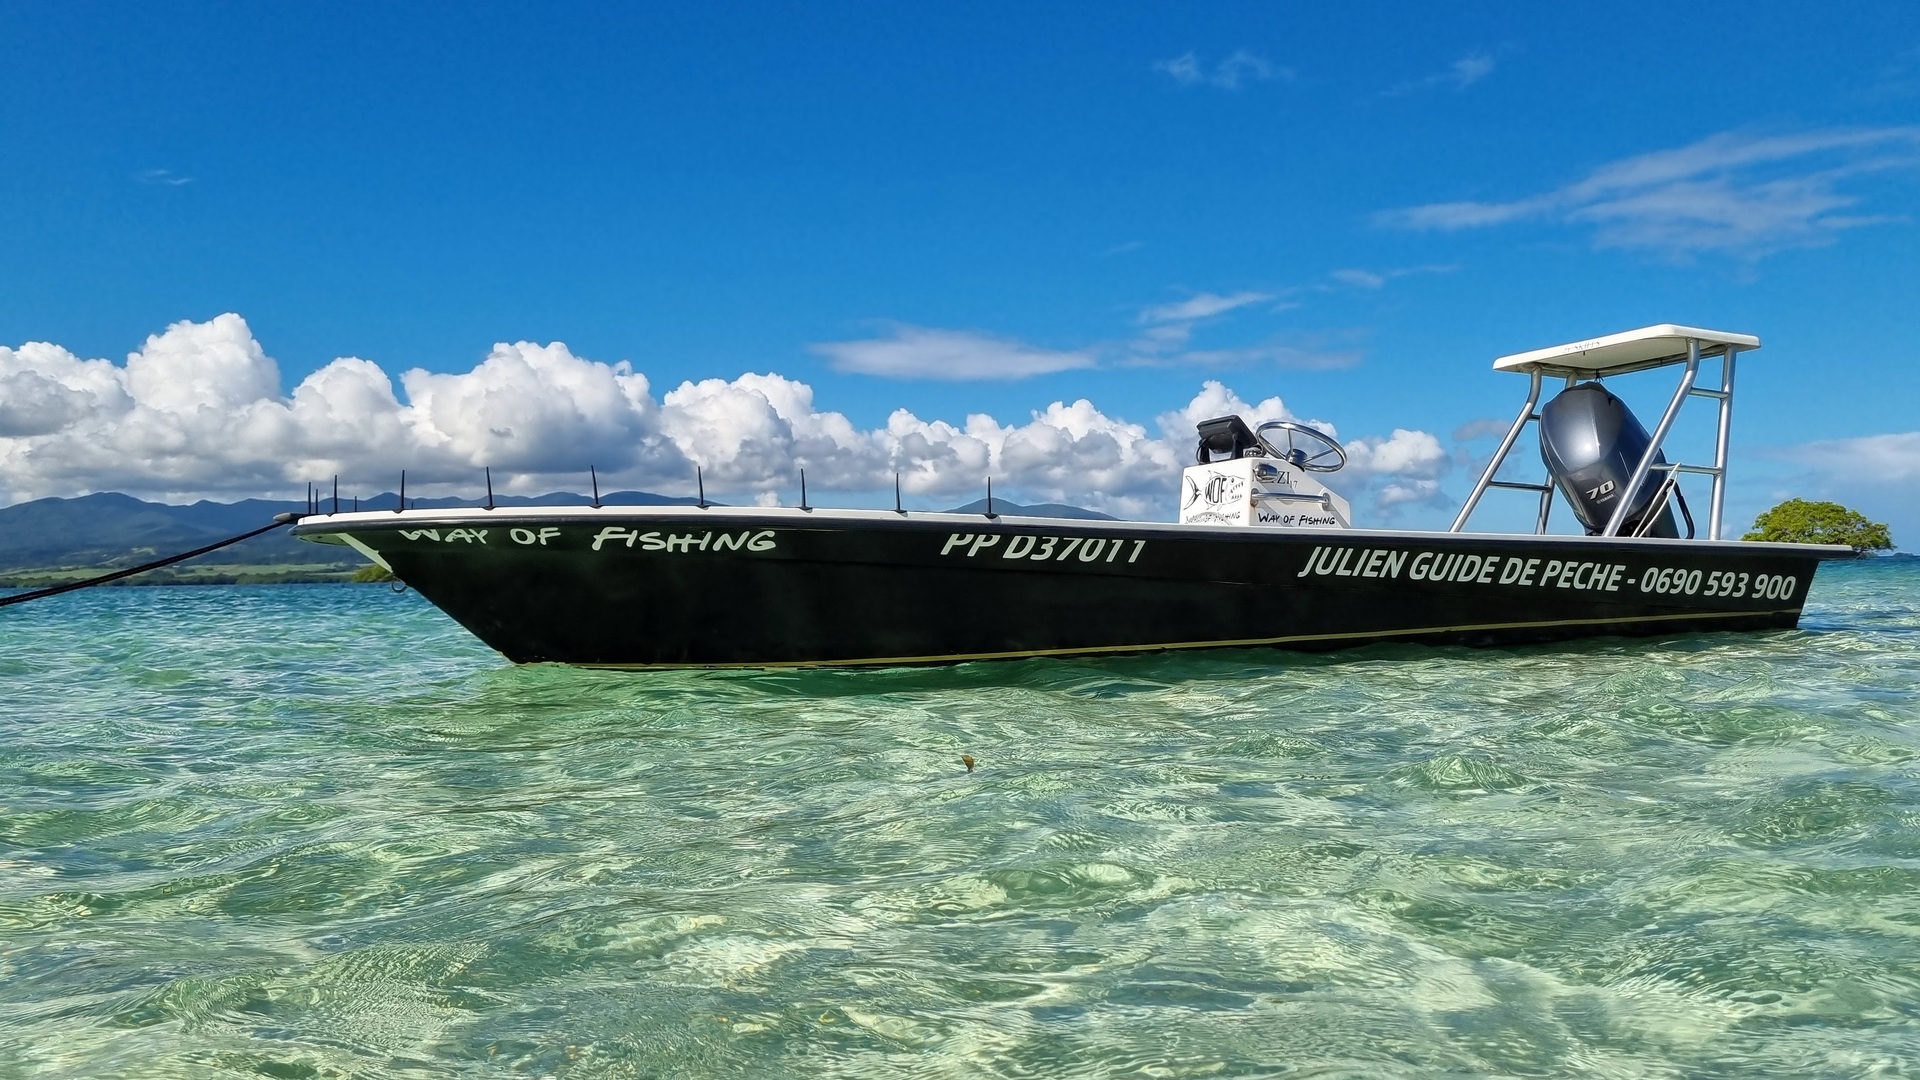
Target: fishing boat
1263 554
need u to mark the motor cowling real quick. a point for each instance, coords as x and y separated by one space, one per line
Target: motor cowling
1591 442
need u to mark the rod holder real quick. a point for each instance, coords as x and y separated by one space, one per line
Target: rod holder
700 481
595 477
897 508
336 493
803 490
403 492
990 512
489 469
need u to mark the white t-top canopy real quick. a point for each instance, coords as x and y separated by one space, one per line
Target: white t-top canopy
1634 350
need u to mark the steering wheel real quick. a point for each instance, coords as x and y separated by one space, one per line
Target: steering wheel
1329 456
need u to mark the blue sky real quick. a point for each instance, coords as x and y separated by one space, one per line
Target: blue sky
1352 208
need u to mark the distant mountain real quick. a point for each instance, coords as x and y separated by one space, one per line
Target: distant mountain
108 530
1047 510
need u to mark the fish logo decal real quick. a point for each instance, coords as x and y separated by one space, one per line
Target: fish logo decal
1223 489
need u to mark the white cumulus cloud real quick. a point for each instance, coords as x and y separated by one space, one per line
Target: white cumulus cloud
1408 465
199 411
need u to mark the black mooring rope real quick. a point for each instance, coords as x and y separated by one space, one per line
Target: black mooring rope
279 520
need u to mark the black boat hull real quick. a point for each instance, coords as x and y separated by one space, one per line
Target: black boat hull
682 587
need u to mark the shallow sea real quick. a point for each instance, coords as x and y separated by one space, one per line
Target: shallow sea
318 831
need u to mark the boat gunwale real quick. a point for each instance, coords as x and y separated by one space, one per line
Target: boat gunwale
314 526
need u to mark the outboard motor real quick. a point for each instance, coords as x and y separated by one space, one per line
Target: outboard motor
1591 442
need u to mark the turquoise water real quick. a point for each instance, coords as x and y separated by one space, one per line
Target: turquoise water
319 831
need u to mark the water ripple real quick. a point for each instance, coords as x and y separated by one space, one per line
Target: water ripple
319 831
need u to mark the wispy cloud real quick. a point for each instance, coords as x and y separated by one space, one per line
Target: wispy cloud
1359 279
1377 279
1458 75
1167 332
1164 336
1491 427
1201 306
1123 249
1733 192
1898 78
913 352
1290 357
1167 328
1229 74
1883 459
1877 474
162 177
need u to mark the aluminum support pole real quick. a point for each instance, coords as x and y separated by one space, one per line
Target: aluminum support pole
1659 436
1720 446
1500 455
1546 497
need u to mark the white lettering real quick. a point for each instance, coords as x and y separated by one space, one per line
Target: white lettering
614 532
